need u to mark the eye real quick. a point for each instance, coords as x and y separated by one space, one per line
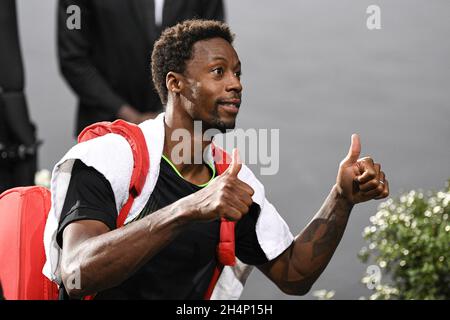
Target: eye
238 74
218 71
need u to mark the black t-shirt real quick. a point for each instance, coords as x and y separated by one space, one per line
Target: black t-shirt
182 269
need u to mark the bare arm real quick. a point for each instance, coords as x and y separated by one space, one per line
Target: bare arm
104 259
299 266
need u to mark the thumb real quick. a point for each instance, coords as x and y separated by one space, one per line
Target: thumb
236 164
355 149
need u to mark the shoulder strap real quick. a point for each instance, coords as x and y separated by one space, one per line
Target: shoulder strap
226 248
133 134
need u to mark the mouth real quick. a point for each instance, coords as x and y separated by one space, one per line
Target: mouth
230 105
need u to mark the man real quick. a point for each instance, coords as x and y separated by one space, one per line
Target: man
107 60
167 248
18 143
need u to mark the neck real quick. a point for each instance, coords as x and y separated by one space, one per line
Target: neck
188 145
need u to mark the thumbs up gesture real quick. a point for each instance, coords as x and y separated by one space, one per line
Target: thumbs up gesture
360 180
235 165
225 197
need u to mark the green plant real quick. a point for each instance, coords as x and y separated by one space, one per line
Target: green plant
324 294
409 240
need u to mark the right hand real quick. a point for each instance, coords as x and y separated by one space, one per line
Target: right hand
130 114
148 115
225 197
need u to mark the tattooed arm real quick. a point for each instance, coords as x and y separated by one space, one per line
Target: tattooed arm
299 266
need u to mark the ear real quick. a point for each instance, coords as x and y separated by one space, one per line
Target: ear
174 82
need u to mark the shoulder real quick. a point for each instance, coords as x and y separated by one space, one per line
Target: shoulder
110 155
106 153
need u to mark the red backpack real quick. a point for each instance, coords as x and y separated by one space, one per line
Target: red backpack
24 211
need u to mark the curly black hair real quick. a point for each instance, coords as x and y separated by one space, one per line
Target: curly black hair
174 48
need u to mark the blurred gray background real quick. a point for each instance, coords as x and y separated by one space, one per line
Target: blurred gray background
313 70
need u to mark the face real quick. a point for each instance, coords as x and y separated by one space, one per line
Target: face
212 91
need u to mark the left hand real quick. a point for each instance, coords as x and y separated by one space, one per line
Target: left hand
147 115
360 180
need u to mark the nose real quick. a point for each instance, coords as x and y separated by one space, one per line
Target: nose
234 84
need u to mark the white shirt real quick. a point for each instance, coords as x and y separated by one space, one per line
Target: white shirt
159 6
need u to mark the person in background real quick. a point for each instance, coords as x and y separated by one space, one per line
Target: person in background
18 143
107 60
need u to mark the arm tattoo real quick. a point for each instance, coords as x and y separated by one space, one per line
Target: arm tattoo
316 244
322 234
299 267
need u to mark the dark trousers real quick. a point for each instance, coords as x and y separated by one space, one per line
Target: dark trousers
20 173
15 125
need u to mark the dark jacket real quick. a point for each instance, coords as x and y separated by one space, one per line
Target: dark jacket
107 62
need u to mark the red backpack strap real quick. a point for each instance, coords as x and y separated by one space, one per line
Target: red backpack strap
133 134
226 248
212 284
